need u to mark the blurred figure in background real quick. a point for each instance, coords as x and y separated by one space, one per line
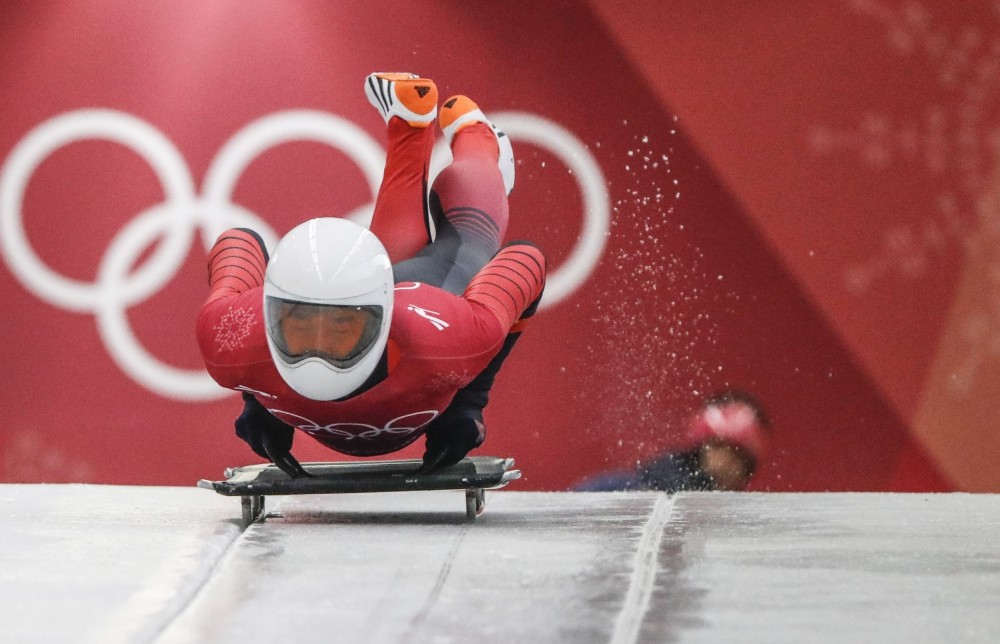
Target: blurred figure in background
724 442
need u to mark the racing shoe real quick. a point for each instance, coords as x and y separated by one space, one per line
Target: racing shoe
459 112
407 96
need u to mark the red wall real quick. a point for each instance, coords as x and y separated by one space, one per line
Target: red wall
689 293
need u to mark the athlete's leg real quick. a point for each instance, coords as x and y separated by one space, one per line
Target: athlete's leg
409 105
468 201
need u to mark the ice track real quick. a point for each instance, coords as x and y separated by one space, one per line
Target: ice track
138 564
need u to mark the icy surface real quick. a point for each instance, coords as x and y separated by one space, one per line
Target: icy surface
830 568
87 563
117 564
408 567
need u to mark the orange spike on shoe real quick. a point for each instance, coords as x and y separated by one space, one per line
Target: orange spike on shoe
407 96
458 112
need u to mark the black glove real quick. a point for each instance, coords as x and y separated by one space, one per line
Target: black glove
268 437
451 436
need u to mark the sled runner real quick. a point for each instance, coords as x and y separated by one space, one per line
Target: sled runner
474 475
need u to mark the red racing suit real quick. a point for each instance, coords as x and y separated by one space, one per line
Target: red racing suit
438 343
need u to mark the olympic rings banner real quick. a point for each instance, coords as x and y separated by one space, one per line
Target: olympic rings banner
174 222
134 133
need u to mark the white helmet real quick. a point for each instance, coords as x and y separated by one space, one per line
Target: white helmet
327 307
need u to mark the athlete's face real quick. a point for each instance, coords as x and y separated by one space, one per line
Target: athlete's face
334 331
726 465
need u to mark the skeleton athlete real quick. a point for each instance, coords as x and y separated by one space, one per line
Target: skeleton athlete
366 339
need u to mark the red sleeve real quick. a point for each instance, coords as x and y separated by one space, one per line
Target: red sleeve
236 263
509 283
230 324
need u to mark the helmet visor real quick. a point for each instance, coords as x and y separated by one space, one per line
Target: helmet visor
340 335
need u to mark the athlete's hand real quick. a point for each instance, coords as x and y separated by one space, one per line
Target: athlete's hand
268 437
451 436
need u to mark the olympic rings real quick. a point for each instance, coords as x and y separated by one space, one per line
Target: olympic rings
175 220
350 431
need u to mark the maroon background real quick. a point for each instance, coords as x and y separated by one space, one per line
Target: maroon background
693 294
